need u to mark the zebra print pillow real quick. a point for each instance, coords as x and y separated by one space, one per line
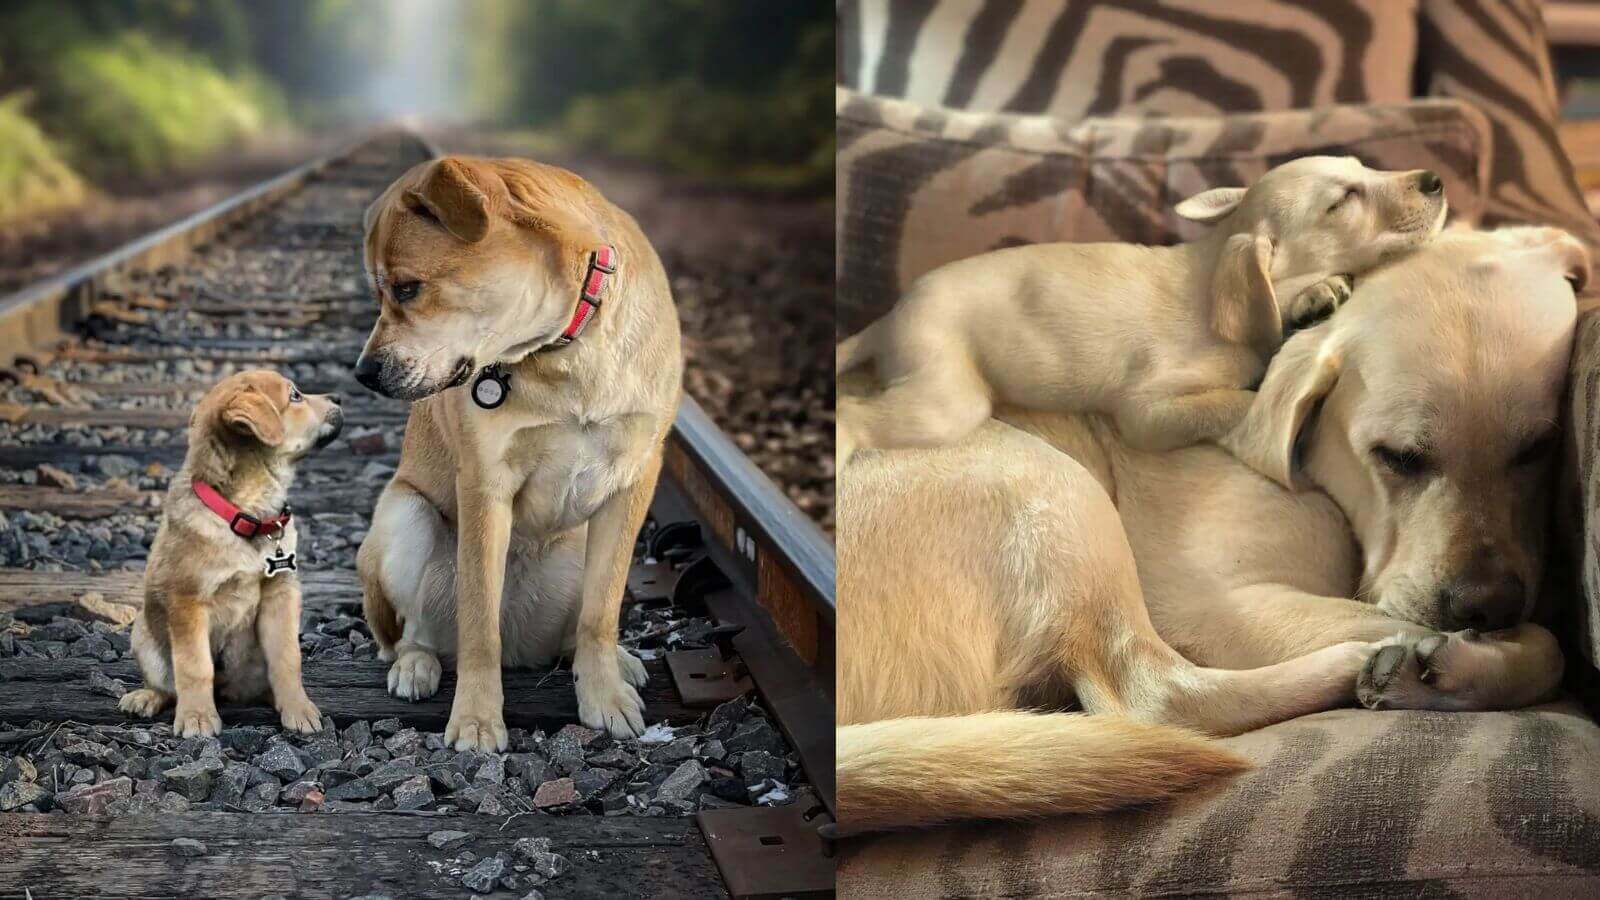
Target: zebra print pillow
1122 57
1351 803
920 187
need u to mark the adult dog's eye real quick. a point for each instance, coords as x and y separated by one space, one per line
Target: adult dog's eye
1535 452
1348 195
406 290
1409 463
294 395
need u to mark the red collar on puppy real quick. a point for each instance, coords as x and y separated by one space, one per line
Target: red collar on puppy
602 265
239 522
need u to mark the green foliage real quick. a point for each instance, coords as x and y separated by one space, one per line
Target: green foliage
33 177
130 104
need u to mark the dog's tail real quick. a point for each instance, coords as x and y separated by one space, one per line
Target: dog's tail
912 772
379 612
856 349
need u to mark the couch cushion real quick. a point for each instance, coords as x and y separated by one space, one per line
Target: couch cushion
1097 58
1345 803
919 187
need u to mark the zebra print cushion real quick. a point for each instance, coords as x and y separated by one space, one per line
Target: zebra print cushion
1349 803
1120 57
920 187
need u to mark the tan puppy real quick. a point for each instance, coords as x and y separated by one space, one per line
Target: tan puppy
1043 560
208 597
1166 340
506 533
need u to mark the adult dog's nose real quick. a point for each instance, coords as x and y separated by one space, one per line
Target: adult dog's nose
368 370
335 399
1429 182
1487 604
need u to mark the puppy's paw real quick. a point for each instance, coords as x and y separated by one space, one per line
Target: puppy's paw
415 675
196 721
1464 670
475 729
610 704
1319 301
300 715
633 671
144 702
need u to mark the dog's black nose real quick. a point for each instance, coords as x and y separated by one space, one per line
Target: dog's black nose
368 370
335 399
1487 604
1429 182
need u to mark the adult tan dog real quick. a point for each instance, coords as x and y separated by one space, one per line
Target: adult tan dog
506 533
1164 339
1043 560
220 585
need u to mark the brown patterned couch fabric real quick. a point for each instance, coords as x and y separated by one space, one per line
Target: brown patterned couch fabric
906 173
1351 803
1078 59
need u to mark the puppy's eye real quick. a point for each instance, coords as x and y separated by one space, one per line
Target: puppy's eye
406 291
1407 463
1535 452
295 395
1348 195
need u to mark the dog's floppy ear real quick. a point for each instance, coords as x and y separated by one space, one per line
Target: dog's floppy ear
251 414
451 194
1300 376
1244 305
1207 207
1565 251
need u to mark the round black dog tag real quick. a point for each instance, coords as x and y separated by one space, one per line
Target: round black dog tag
491 388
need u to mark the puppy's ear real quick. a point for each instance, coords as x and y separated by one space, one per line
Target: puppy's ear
1568 253
1300 376
1207 207
1244 305
452 195
251 414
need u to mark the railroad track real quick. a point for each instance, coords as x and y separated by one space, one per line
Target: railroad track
731 604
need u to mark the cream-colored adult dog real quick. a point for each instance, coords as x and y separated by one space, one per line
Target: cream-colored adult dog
1043 560
506 533
1164 339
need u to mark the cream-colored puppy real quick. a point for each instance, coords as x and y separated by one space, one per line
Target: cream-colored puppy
1166 340
1043 560
505 536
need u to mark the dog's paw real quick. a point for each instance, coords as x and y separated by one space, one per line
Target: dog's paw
1464 670
1319 301
196 721
300 715
611 705
144 702
481 730
632 669
415 675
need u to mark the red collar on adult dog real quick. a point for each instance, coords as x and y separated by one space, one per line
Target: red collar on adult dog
602 265
239 522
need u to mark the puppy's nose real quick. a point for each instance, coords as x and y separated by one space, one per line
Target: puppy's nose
367 371
1429 182
1485 604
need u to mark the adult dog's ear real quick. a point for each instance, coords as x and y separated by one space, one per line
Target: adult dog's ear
1210 206
1244 305
1566 252
1300 376
251 414
452 195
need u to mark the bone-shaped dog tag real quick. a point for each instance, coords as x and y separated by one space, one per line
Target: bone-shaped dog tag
280 561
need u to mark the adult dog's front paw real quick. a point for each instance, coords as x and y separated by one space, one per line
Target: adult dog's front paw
415 675
632 669
300 715
475 728
1319 301
608 703
196 721
1464 670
